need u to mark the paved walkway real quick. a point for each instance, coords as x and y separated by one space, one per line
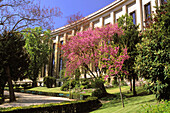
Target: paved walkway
24 99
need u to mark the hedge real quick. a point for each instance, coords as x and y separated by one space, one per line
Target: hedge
80 106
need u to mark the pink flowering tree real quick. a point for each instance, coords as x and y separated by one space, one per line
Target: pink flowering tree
94 47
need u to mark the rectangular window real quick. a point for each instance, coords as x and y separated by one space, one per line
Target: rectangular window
133 14
60 59
147 10
53 58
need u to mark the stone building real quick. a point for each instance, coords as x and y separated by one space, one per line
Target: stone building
138 9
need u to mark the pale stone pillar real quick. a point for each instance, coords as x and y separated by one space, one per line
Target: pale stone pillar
139 14
153 6
101 20
65 38
159 2
81 28
57 55
73 32
124 9
91 25
112 17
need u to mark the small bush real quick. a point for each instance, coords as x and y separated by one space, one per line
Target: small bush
49 81
65 86
97 93
86 84
97 83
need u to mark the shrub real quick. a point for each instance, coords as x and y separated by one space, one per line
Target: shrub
97 83
49 81
97 93
86 83
66 85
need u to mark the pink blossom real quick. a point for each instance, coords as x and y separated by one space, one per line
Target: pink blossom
91 46
106 77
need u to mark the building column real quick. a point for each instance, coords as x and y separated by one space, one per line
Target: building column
153 3
101 20
73 32
57 56
65 38
81 28
124 9
91 25
139 14
112 17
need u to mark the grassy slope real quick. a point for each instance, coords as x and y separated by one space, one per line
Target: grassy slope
132 105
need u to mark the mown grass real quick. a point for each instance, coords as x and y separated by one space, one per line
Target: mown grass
132 104
86 92
50 90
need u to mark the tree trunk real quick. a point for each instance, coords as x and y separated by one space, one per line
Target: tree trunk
11 90
121 94
134 91
85 74
103 89
130 83
2 92
34 83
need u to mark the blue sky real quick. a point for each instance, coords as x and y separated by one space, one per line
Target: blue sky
70 7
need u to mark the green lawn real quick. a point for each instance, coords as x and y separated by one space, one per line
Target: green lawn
51 90
116 90
57 90
132 105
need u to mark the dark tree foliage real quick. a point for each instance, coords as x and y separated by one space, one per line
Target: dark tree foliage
153 59
130 39
14 60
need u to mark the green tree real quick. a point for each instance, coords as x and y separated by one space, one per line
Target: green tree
153 59
38 45
14 61
130 39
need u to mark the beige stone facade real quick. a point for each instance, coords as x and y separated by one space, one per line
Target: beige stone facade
140 9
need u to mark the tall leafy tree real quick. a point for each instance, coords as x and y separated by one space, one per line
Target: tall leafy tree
14 60
38 45
130 39
153 59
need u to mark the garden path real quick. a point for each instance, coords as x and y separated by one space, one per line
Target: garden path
24 99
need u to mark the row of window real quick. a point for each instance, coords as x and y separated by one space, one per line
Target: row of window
147 10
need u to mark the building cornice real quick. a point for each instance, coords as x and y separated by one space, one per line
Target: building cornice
88 18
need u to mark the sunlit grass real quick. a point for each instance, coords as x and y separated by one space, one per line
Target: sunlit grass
116 90
50 90
132 105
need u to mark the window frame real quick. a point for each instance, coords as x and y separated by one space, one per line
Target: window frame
146 12
131 14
